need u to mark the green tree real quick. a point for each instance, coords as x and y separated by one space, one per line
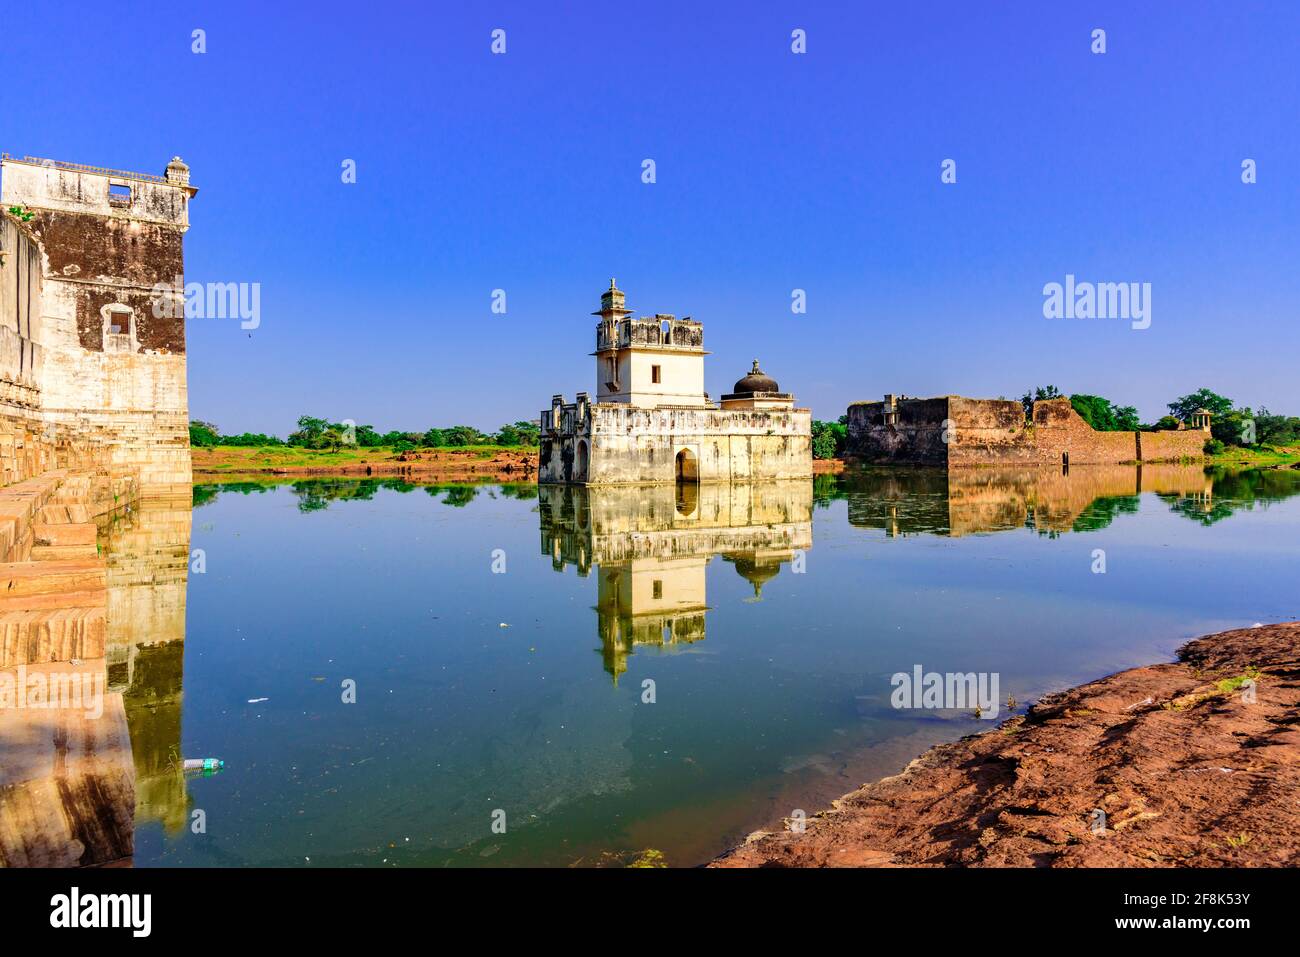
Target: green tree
1273 429
464 435
520 433
204 435
309 432
828 439
1212 402
1103 416
332 438
1038 395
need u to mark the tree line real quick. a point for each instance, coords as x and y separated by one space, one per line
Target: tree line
322 434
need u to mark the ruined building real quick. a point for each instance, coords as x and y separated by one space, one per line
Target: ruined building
953 431
653 422
92 355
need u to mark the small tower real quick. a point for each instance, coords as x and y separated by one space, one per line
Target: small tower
647 362
1200 419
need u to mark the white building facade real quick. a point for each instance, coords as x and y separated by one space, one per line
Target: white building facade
652 422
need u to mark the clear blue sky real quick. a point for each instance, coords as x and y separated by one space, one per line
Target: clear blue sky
775 171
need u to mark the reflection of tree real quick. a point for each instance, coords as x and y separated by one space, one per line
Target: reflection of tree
1234 492
205 494
457 496
826 489
317 493
1101 512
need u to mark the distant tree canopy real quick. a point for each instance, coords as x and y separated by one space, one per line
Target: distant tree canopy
1212 402
318 433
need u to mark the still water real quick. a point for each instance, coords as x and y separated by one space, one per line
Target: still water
623 670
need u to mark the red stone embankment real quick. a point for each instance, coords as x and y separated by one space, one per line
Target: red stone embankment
1187 769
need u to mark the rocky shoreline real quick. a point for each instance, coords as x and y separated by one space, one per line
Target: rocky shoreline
1186 768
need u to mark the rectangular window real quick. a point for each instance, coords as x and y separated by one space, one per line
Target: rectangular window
119 195
658 589
655 375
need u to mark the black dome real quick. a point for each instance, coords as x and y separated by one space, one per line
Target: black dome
756 381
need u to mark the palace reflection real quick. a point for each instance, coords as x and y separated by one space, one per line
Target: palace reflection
650 547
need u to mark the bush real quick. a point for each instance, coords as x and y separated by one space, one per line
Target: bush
828 439
1213 447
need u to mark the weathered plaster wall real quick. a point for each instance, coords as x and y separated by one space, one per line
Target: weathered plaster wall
85 262
625 445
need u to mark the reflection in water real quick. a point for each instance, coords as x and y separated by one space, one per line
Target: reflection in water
969 501
651 546
97 753
148 553
787 695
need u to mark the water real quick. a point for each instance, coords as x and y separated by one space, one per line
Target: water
769 620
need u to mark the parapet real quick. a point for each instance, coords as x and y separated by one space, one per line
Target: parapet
38 183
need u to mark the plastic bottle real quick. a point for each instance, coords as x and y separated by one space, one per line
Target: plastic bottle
203 764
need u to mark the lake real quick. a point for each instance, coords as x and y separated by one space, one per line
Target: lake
388 669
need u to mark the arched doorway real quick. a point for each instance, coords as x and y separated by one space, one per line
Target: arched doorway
686 468
580 466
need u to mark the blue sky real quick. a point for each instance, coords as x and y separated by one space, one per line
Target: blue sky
775 171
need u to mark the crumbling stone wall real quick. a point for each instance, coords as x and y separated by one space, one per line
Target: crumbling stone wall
956 431
917 436
1171 446
989 432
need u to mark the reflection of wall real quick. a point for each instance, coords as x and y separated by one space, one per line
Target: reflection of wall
966 501
652 546
66 790
148 554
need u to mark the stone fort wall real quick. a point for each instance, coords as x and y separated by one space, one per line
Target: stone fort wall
956 431
92 369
